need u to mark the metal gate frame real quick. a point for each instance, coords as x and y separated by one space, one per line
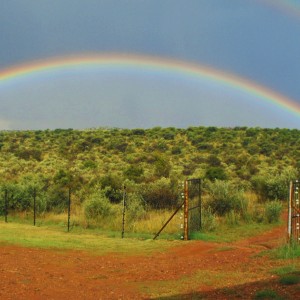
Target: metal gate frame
187 209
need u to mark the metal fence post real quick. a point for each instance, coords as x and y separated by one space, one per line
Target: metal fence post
69 209
34 206
186 212
289 231
124 210
5 204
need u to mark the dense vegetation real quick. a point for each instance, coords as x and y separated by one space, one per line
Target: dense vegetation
96 163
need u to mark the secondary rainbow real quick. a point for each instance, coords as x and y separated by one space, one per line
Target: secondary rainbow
154 64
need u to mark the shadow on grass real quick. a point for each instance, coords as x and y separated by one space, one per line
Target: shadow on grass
267 289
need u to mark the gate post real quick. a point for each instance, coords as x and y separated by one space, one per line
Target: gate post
186 212
5 205
124 210
69 208
289 231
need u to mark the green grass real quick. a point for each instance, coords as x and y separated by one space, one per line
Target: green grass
88 240
267 294
204 236
233 233
288 251
142 231
290 279
288 275
284 270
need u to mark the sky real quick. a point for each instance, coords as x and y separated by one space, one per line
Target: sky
252 41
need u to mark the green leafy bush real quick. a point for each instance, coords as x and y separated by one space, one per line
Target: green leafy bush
273 185
273 211
134 172
160 194
225 197
97 205
162 166
113 187
215 173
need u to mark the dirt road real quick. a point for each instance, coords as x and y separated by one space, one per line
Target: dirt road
195 270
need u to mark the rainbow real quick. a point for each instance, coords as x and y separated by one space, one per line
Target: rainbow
154 64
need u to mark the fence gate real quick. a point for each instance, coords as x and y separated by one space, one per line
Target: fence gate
191 197
294 212
192 207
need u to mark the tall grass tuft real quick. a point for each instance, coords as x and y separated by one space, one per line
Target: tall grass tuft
208 220
273 211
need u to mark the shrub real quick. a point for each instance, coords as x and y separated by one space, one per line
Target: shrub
225 197
160 194
273 211
258 214
162 166
216 173
97 205
113 187
19 197
57 199
273 186
134 172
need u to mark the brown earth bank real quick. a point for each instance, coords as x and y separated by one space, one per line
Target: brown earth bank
195 270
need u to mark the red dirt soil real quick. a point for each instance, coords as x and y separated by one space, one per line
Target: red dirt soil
31 273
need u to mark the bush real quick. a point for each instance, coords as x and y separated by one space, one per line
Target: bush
134 172
273 186
215 173
113 187
97 205
162 166
225 197
258 214
160 194
19 197
273 211
57 199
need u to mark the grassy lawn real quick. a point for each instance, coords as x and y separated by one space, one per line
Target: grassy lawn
88 240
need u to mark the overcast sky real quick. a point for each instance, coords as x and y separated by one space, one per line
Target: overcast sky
249 38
